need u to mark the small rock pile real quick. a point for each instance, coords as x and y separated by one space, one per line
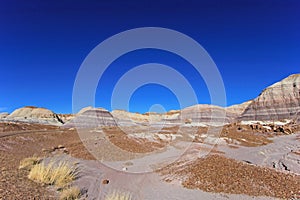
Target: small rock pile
281 129
56 149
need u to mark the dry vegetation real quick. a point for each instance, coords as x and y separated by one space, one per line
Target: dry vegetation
28 163
58 174
230 176
71 193
118 196
14 182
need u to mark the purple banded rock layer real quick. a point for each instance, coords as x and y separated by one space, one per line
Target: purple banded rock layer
92 118
279 101
207 114
194 115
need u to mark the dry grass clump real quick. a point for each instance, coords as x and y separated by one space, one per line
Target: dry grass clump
28 163
58 174
71 193
118 196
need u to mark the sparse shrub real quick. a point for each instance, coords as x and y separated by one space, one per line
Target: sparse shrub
118 196
71 193
28 163
60 174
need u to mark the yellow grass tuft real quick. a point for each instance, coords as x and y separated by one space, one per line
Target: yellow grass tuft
118 196
71 193
28 163
60 174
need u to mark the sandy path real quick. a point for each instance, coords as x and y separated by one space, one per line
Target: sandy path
279 154
146 186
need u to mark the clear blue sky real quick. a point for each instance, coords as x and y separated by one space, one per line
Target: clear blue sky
43 43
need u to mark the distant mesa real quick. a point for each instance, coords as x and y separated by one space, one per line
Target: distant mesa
280 101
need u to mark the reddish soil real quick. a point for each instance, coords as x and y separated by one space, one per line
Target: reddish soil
120 139
14 183
245 136
242 134
12 126
216 173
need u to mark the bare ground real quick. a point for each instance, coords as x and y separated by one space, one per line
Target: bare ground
14 183
215 173
219 174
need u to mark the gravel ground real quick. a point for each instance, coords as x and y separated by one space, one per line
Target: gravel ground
215 173
14 183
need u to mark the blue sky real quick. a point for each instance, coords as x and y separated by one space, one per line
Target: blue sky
43 43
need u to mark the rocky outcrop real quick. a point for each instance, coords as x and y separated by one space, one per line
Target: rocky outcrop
3 115
203 114
33 114
238 109
198 115
124 118
65 117
91 118
279 101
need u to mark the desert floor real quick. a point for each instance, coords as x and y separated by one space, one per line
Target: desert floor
241 165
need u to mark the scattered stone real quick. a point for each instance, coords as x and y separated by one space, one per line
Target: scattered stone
248 162
105 181
66 151
210 174
53 148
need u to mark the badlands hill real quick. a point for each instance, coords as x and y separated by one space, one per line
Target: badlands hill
31 114
238 109
251 160
278 102
197 115
91 118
